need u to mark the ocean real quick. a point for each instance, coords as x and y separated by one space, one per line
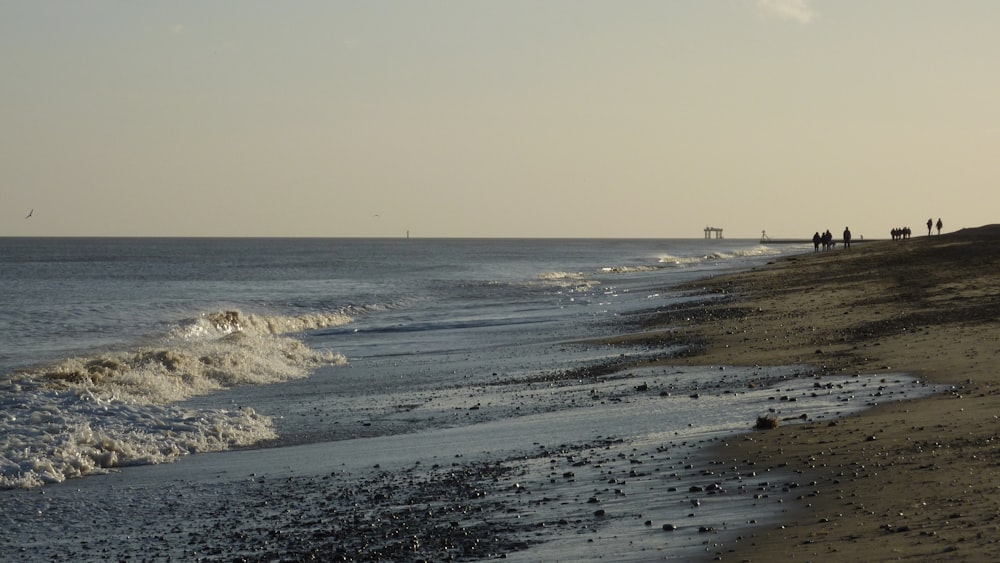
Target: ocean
375 400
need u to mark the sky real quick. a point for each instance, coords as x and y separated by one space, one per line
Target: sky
512 118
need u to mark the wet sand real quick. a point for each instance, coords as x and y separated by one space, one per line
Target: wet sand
597 464
917 480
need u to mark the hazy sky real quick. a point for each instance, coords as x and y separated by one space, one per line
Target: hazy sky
539 118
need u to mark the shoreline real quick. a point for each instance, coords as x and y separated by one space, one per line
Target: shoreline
911 480
601 480
584 464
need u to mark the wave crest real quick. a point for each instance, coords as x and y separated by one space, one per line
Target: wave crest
756 251
681 260
85 415
213 325
216 351
565 280
627 269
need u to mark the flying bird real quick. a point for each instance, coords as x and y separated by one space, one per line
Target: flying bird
30 213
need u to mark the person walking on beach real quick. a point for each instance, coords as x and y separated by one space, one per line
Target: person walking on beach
816 240
847 237
939 225
930 223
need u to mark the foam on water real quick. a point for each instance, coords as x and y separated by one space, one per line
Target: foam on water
560 276
720 256
84 415
51 436
627 269
212 325
570 281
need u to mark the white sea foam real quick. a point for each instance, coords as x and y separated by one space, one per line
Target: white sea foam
558 276
84 415
756 251
759 250
566 280
52 436
627 269
212 325
681 260
216 351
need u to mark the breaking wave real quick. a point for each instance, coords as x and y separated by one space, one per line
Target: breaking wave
627 269
227 322
85 415
566 280
757 251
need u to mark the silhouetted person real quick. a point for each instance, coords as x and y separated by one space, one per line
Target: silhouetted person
939 225
847 237
930 223
816 240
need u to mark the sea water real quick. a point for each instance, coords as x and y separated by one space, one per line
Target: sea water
369 399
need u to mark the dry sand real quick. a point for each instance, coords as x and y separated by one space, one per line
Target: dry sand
911 481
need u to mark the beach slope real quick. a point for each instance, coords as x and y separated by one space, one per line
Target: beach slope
909 481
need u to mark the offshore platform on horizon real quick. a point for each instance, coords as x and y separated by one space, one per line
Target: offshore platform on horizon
709 231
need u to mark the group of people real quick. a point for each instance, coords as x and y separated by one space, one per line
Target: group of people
904 232
826 239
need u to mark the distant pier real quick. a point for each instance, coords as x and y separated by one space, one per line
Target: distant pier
709 231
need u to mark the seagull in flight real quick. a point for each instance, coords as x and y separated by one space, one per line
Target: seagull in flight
30 213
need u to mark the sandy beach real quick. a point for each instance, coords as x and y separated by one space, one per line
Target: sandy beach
914 480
